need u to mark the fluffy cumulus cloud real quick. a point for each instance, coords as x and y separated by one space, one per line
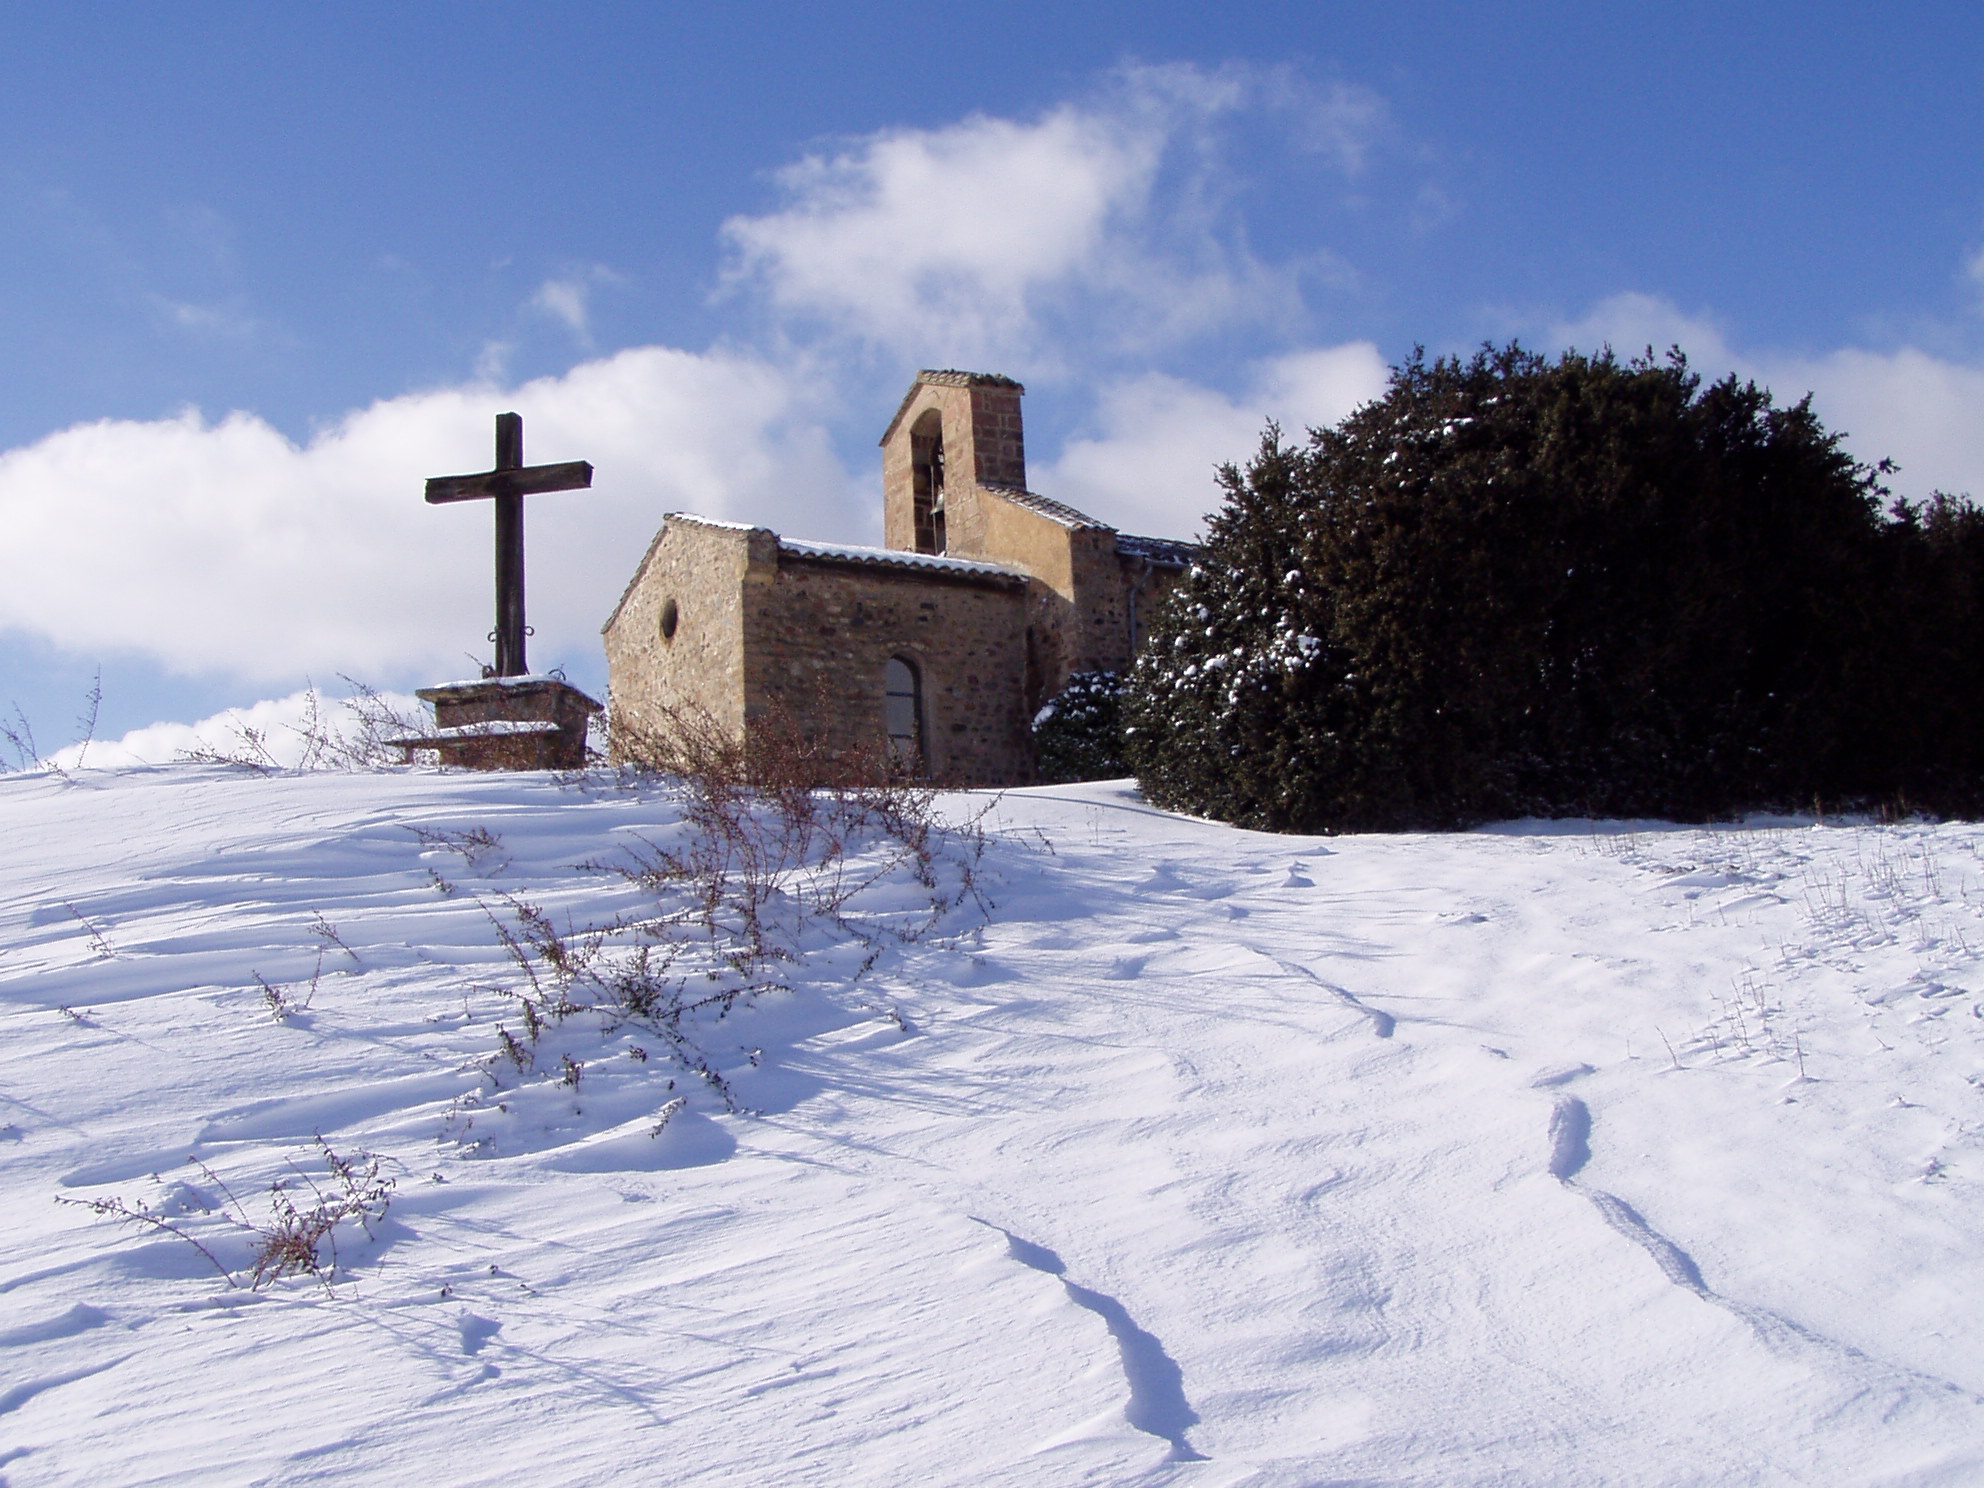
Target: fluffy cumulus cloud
971 243
305 727
1149 465
1903 404
224 547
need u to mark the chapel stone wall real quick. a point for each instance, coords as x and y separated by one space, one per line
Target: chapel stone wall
675 646
1077 605
820 636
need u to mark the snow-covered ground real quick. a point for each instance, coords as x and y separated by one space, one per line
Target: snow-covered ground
1550 1154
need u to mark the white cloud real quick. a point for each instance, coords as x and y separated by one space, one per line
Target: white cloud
277 731
1343 121
1906 405
1973 268
957 245
565 300
569 300
225 547
224 320
1631 323
1150 468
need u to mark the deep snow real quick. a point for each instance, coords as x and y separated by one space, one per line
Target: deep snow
1209 1158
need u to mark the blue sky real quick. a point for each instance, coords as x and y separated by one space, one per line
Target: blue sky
265 268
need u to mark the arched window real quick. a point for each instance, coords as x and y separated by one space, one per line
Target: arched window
902 709
926 459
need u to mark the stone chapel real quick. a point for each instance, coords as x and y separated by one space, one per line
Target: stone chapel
940 646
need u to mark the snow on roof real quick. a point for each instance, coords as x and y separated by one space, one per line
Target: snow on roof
1046 506
491 728
1163 551
711 522
895 558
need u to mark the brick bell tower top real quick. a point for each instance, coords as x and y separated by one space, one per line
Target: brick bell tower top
955 433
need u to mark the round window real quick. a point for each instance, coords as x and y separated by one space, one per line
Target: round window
670 617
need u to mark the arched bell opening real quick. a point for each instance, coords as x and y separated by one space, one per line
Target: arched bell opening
926 463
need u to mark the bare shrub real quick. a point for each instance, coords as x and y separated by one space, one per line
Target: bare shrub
329 934
301 1239
86 723
297 1236
19 734
100 945
476 845
283 1004
781 845
352 733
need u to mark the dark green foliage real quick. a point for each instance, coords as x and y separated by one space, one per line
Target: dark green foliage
1518 587
1079 736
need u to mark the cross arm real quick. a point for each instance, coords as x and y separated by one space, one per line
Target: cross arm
531 480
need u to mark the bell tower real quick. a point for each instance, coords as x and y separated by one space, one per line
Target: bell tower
955 433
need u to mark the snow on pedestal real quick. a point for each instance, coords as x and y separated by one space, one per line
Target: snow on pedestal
532 722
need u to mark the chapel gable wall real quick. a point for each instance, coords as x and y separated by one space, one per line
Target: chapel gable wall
701 569
1078 602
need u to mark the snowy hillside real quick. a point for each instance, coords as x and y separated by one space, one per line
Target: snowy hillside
1551 1154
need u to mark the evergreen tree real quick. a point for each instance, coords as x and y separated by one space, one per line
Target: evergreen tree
1079 736
1520 587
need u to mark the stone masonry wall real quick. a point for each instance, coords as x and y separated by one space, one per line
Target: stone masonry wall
704 569
984 444
820 637
1078 607
953 407
998 443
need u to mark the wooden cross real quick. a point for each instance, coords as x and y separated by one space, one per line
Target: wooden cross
507 485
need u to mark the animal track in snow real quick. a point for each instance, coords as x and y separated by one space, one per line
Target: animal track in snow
1157 1404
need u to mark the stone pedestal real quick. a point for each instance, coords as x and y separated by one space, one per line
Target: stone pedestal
506 723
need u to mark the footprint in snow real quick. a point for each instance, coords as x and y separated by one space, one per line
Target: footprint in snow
476 1331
